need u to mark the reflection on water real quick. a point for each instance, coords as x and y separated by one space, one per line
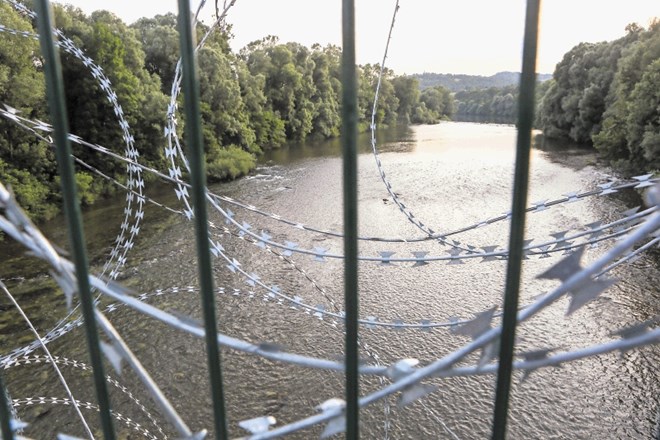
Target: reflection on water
394 138
449 175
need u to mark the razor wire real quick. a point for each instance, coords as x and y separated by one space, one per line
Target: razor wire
539 207
73 363
606 188
577 282
132 220
85 405
37 243
49 356
562 243
386 256
489 253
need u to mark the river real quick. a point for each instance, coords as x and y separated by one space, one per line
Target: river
449 175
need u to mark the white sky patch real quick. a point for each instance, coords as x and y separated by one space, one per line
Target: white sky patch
463 36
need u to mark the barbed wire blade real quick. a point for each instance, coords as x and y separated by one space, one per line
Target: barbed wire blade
258 425
588 292
636 329
607 188
488 353
534 355
252 280
331 404
113 355
270 347
290 245
594 225
385 255
489 250
401 368
477 326
644 181
334 426
17 425
229 215
565 268
652 196
426 325
559 235
419 255
631 211
66 437
320 252
414 393
568 249
67 288
319 311
244 229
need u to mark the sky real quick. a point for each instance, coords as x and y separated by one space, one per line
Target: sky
478 37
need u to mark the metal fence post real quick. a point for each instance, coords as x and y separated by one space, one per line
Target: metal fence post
516 236
349 143
195 144
5 412
57 107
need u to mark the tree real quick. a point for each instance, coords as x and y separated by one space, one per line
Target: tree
26 164
406 89
629 136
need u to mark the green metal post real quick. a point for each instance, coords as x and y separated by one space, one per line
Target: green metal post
516 236
56 104
198 182
349 142
5 412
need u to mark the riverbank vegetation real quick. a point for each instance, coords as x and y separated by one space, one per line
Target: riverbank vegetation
267 93
493 102
608 95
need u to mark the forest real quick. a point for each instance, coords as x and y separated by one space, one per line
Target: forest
608 95
499 102
603 94
259 98
461 82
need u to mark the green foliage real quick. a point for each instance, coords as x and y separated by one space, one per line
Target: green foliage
26 164
406 89
261 97
460 82
388 102
608 94
229 163
500 102
32 194
435 103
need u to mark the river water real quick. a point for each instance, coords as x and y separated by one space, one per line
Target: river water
449 175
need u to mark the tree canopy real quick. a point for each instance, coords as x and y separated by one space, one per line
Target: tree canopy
267 93
608 94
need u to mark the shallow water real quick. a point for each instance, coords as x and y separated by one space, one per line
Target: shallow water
449 175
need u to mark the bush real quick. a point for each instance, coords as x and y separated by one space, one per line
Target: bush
229 163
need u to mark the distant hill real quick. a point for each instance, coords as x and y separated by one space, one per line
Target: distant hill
459 82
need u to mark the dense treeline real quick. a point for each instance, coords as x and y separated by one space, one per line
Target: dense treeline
499 102
253 100
461 82
608 94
